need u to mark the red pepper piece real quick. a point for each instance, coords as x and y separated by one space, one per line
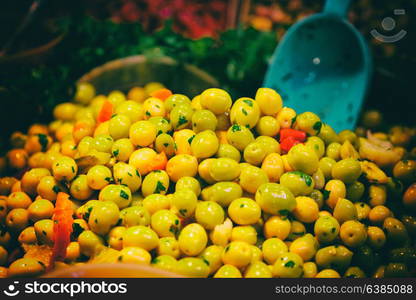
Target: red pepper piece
289 132
288 143
62 228
106 112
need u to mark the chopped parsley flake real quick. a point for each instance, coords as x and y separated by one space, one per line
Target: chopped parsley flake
159 188
191 139
248 102
290 264
43 141
124 195
235 128
56 189
182 120
317 127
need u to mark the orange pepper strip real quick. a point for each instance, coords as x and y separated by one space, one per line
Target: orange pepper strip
106 112
159 162
62 228
162 94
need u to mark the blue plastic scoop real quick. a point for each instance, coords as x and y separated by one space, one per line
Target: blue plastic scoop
323 65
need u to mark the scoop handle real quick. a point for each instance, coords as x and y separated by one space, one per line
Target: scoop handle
337 7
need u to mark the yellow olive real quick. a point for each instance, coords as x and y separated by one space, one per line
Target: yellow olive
288 265
192 239
26 267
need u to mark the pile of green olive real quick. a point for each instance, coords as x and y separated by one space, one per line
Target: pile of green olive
209 187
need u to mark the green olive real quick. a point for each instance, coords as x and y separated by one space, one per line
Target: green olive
347 135
345 210
155 202
299 183
103 217
354 272
347 170
328 134
115 237
224 193
209 214
140 236
28 236
176 100
316 144
44 231
192 239
326 229
119 194
353 233
251 178
254 153
224 169
127 175
162 124
205 144
338 257
192 267
122 149
165 143
89 243
270 144
228 151
156 182
405 170
239 136
363 210
119 126
302 158
80 189
268 126
326 164
168 246
395 231
30 180
245 112
48 188
212 257
355 191
131 109
181 116
17 219
333 151
204 120
26 267
288 265
185 202
103 143
216 100
318 196
165 223
98 177
188 182
275 199
134 215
